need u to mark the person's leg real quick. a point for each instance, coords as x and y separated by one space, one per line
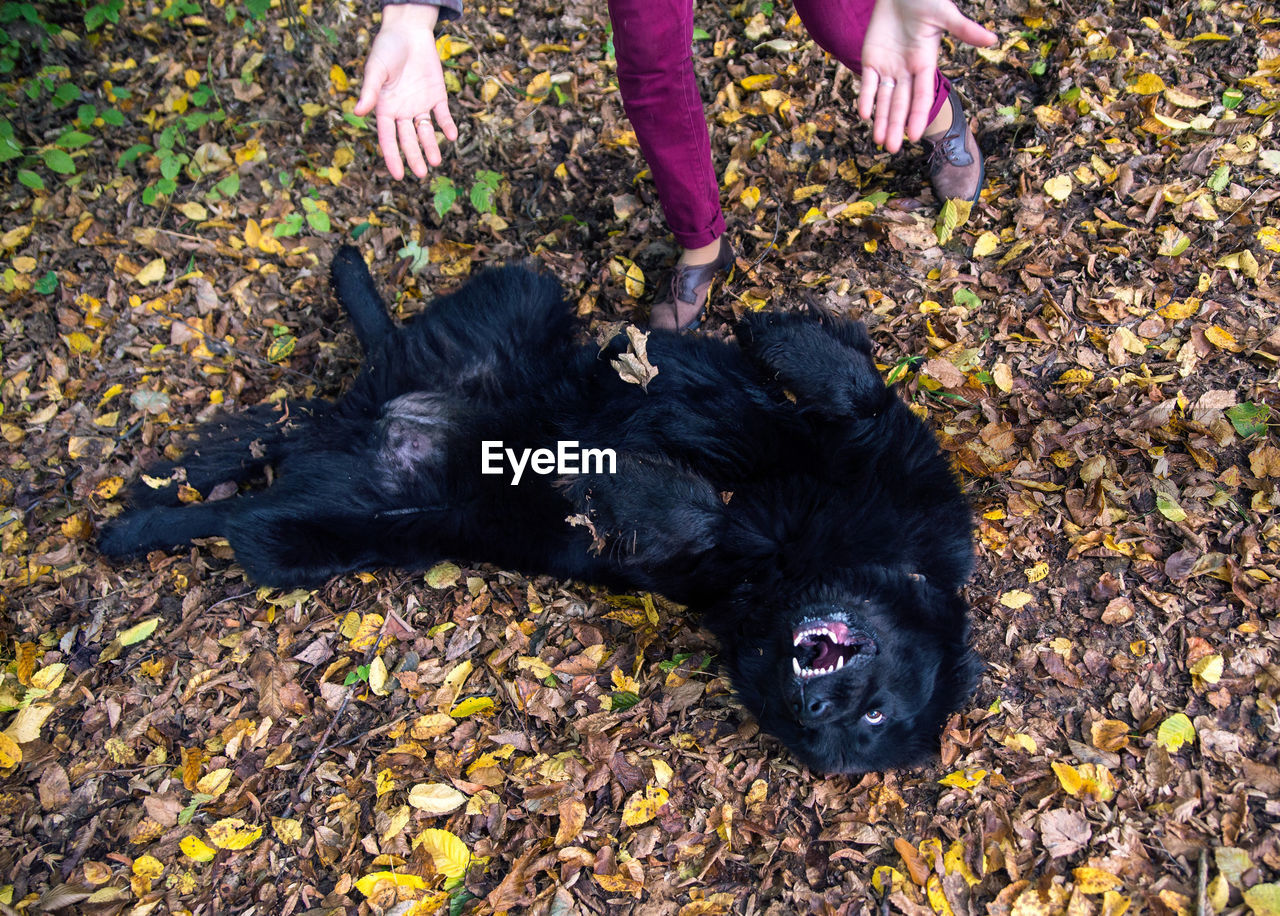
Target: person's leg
955 162
653 41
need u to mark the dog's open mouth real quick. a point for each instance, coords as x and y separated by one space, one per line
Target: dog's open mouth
823 647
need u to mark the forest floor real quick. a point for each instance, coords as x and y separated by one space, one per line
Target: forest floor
1097 346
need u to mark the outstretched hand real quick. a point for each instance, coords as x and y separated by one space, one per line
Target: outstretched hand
404 82
899 56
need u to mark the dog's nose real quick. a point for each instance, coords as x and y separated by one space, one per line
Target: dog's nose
808 709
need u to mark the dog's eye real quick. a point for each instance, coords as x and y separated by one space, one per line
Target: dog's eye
875 717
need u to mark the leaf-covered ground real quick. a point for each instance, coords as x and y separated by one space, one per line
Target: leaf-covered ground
1097 346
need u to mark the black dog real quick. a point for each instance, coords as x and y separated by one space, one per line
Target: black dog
776 486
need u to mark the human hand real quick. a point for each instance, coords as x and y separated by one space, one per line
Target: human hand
404 80
899 56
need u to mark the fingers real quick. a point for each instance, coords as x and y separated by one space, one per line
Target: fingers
444 118
893 101
375 74
409 140
921 101
966 30
387 143
867 93
427 137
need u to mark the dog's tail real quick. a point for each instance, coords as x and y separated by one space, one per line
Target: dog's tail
358 295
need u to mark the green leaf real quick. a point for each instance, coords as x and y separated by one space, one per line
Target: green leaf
444 193
290 225
355 121
1169 508
166 186
483 190
73 139
1249 419
1232 98
360 230
1174 732
229 186
139 631
281 348
65 94
623 700
30 179
1219 179
318 220
58 161
149 195
701 34
132 153
965 297
9 149
85 114
46 284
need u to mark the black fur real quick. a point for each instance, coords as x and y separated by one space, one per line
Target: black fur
774 485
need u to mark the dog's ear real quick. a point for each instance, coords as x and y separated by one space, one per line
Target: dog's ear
359 296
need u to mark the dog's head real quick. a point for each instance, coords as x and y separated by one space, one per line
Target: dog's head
857 673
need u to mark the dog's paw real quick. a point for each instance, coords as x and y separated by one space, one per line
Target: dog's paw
827 368
129 535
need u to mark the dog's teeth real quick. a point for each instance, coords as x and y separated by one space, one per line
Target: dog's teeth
795 662
839 663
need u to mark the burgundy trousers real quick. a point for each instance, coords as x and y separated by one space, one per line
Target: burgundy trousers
653 40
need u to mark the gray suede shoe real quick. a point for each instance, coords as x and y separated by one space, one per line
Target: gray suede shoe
688 289
955 161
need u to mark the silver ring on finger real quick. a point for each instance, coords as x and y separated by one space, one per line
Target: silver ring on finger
888 81
419 120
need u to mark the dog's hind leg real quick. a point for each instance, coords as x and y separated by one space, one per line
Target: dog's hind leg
161 527
229 449
359 296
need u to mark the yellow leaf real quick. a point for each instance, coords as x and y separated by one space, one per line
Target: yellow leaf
1075 377
338 78
473 706
49 677
1068 777
986 244
436 798
1021 742
448 47
215 782
148 867
14 237
643 806
108 488
443 575
1109 734
758 81
964 779
288 830
1263 899
384 782
195 848
812 215
368 632
454 680
539 86
138 632
233 833
1016 598
489 90
634 281
750 197
886 878
1269 236
368 884
1174 732
1095 880
1147 84
1184 99
1208 669
194 212
10 753
448 853
78 342
151 273
378 676
1059 187
1037 572
1222 339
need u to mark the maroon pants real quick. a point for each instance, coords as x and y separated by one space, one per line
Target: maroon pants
652 40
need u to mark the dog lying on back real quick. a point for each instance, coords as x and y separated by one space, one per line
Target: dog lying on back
775 485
